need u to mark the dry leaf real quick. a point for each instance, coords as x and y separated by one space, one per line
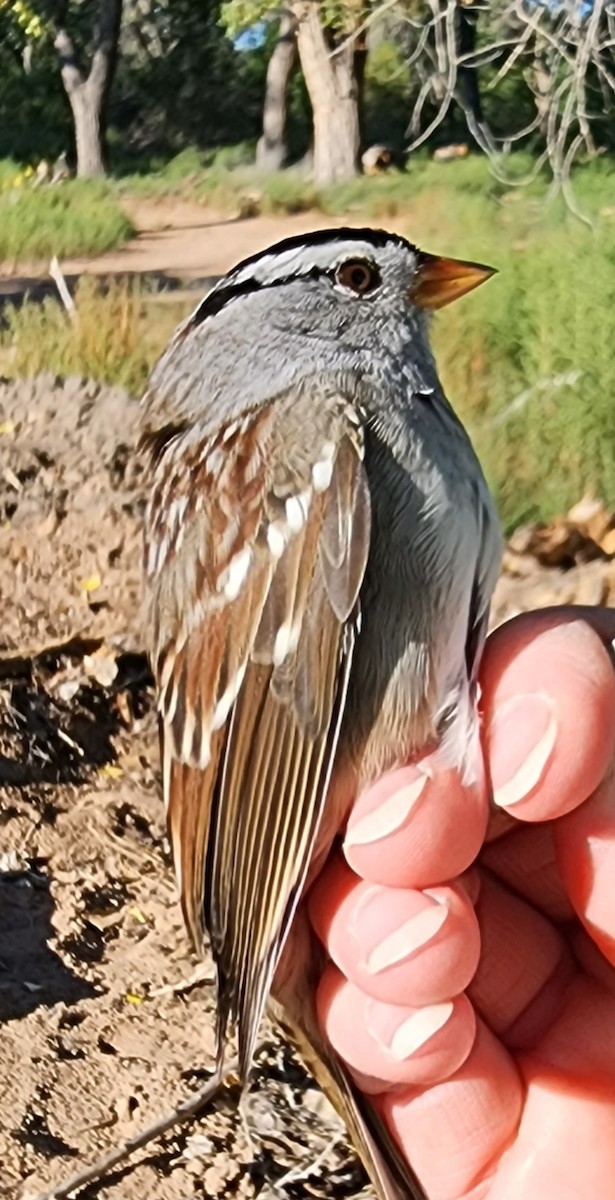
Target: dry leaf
123 702
138 915
101 666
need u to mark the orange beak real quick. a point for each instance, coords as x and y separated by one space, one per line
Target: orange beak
439 281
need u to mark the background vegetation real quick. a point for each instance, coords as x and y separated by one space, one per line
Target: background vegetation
528 360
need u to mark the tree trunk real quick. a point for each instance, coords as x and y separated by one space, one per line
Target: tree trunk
332 85
86 108
271 151
469 88
360 65
88 94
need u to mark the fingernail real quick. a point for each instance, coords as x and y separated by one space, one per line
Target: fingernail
416 1029
402 943
388 816
522 735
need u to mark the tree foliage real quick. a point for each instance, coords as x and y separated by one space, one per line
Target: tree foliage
81 38
180 80
536 74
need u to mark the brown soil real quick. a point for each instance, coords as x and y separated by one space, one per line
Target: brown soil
186 240
103 1020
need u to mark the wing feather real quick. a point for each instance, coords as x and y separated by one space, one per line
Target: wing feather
345 529
253 644
268 841
189 809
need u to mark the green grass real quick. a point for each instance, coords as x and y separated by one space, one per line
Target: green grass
194 174
9 170
227 180
528 360
78 217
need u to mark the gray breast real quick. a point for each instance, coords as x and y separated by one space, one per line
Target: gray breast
417 593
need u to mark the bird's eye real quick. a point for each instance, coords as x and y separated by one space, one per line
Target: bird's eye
358 276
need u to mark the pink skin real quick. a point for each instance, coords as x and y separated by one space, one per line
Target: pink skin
472 984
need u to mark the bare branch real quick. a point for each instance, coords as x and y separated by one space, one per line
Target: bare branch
564 52
568 379
450 84
106 43
376 15
57 275
72 75
520 46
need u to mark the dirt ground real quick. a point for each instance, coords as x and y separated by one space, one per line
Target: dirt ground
186 240
105 1016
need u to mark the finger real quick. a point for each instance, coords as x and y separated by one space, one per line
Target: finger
400 946
570 1104
453 1133
526 860
523 966
549 715
585 843
600 619
390 1044
581 1042
592 961
566 1143
415 827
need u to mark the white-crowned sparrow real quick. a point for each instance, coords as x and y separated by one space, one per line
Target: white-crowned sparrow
321 549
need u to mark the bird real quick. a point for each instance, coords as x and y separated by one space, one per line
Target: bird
320 549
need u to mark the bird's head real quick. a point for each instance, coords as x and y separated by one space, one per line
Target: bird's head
332 301
364 276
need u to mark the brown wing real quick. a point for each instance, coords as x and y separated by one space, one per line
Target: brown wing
255 564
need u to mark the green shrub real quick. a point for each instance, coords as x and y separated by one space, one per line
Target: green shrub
76 217
528 361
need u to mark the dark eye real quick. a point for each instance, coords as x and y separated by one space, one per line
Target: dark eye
358 276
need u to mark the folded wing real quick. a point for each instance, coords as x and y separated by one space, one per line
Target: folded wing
255 557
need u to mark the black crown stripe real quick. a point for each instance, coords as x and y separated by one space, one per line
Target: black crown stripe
219 297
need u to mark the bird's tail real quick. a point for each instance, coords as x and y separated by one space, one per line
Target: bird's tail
294 1010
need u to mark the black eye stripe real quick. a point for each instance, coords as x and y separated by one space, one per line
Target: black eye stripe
220 297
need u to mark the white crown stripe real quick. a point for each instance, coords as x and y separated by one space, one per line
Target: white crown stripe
299 261
293 258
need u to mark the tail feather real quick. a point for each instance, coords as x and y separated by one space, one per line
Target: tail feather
293 1009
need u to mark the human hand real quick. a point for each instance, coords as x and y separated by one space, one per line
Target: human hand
472 984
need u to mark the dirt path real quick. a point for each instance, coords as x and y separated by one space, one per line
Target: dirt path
186 241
